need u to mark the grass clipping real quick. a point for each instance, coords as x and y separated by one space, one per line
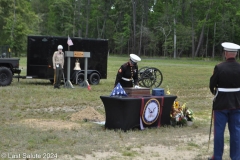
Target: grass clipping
87 114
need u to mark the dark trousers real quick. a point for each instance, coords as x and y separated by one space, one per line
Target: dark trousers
57 76
232 117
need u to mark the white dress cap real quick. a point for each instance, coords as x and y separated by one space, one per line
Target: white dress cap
232 47
60 47
135 58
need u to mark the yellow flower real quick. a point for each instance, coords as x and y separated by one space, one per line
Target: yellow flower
168 92
176 104
184 106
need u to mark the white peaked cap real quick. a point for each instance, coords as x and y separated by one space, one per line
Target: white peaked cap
135 58
232 47
60 47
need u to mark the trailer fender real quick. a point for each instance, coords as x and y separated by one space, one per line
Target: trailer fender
5 76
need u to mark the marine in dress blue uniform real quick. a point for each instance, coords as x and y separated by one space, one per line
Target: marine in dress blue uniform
225 85
127 74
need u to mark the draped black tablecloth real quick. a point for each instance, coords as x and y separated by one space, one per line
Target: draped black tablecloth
124 112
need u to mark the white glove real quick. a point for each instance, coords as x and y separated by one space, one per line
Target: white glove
136 86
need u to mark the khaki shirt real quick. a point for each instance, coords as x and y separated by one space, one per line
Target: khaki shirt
58 58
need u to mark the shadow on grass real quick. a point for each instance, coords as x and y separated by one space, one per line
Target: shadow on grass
44 82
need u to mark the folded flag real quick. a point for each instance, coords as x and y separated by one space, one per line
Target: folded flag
118 91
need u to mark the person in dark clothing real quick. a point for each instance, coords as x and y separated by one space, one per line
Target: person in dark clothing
225 85
127 74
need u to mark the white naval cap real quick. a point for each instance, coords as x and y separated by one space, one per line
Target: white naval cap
60 47
135 58
232 47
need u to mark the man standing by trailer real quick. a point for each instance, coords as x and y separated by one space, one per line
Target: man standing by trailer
58 63
225 85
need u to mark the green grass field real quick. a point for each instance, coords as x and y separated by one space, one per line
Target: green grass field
34 99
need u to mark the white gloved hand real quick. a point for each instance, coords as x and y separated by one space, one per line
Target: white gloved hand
136 86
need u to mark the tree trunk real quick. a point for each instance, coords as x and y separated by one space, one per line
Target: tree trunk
200 40
214 34
183 12
78 20
202 32
134 24
140 39
193 39
74 21
88 8
206 50
13 26
174 38
103 28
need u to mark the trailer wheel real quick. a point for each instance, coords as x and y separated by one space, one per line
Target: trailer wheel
80 79
94 79
5 76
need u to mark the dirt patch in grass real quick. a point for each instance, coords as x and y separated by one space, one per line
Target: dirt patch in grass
47 124
147 152
87 114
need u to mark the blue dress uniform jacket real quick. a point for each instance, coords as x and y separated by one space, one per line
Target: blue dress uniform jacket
226 82
226 75
128 72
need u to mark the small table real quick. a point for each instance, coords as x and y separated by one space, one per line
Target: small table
124 112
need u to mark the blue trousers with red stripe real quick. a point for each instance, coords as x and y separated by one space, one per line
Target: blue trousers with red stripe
232 117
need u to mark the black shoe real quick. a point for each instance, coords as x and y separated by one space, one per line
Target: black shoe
56 87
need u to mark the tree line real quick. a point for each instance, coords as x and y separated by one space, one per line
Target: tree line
168 28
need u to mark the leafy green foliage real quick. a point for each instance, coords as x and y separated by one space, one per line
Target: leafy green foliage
201 26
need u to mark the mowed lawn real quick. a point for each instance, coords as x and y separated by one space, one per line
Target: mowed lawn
34 117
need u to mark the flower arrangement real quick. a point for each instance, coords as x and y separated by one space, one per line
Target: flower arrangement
181 115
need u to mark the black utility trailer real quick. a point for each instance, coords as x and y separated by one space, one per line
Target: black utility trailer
40 50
